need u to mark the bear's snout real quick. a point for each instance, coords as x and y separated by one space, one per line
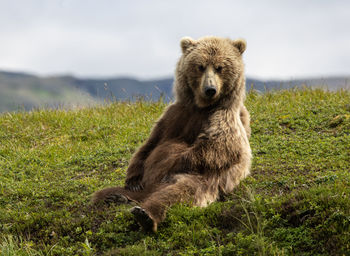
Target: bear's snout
210 86
210 91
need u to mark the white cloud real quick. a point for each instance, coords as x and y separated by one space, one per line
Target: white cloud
141 38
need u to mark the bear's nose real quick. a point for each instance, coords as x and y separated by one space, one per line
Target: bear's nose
210 91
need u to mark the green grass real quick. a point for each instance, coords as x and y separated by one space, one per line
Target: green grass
296 201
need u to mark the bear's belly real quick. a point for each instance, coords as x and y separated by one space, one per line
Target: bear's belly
161 161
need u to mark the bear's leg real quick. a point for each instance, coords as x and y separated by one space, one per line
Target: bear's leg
186 188
118 195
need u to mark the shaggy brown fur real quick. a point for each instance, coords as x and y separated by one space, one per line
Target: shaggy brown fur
199 148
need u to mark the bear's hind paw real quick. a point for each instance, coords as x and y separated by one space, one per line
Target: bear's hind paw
145 221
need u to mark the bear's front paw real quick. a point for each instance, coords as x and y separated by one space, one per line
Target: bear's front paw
134 184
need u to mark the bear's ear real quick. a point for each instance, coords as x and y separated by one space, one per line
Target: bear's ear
240 44
187 42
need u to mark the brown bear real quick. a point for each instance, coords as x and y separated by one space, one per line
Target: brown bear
199 149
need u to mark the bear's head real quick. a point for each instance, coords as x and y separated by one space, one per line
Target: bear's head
210 72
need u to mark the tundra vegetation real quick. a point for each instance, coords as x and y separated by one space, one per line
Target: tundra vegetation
295 202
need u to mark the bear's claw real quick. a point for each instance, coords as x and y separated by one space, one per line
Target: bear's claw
134 184
117 199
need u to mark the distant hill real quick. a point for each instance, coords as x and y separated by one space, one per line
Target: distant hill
20 91
26 91
329 83
127 88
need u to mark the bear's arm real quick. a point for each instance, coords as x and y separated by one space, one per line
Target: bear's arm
219 146
136 166
209 155
245 119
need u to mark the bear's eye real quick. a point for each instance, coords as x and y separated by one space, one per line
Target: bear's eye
201 68
218 69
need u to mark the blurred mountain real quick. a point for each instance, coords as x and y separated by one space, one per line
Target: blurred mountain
126 88
21 91
328 83
26 91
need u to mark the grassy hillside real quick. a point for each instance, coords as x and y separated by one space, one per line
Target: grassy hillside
296 201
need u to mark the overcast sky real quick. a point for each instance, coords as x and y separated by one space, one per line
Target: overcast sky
98 38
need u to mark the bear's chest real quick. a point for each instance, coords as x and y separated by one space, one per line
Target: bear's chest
187 126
